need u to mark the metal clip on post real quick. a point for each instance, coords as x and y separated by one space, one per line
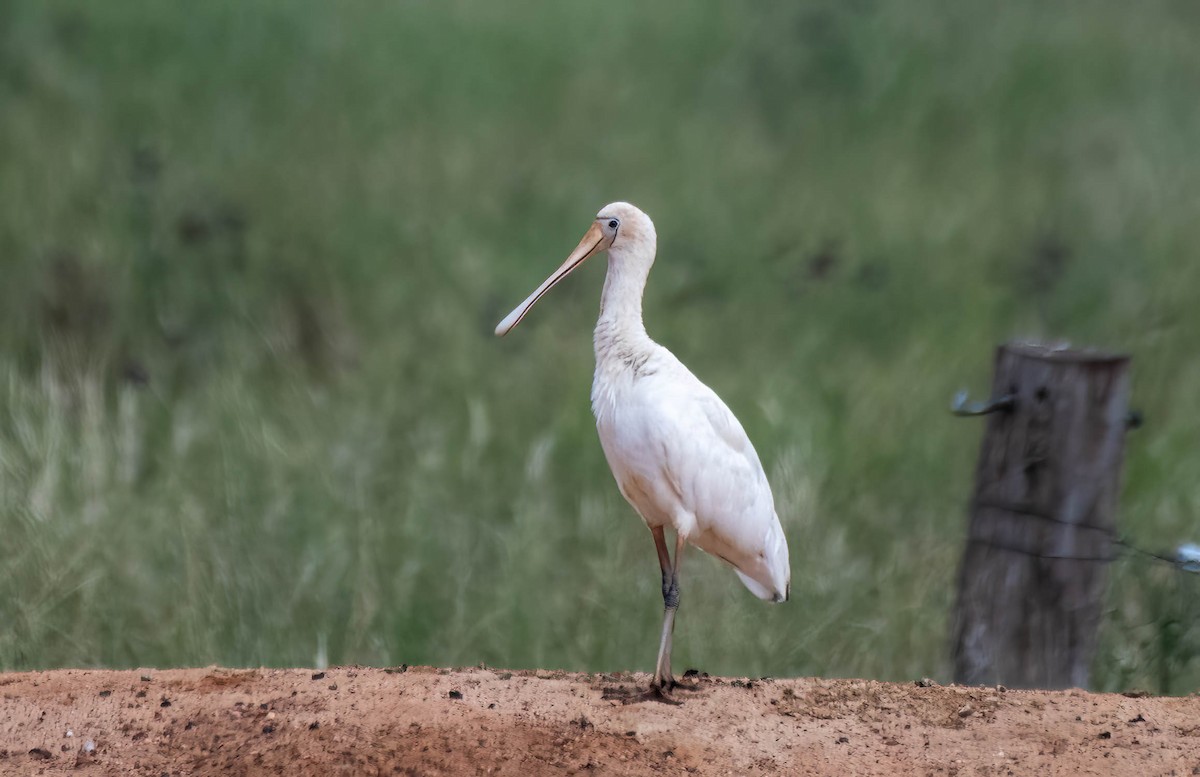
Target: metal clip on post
1187 557
961 407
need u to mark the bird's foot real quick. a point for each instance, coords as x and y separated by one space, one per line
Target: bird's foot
661 691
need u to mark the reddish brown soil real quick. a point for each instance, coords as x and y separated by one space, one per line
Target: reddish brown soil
482 721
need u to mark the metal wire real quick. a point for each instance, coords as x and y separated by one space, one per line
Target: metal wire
1033 512
1025 552
1028 511
1149 554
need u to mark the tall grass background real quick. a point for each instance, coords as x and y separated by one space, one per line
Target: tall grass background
251 256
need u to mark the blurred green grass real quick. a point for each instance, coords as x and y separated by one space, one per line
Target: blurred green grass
251 410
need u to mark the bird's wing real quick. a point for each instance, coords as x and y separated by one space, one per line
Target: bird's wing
720 479
729 430
682 459
710 457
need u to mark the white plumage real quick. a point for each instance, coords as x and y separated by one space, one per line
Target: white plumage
678 454
684 462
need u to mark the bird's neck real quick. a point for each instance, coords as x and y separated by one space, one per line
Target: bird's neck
619 330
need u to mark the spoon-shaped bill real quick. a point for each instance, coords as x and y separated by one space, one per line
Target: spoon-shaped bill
592 243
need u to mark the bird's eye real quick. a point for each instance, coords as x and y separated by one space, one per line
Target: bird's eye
612 224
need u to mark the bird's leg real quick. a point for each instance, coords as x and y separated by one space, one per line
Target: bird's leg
664 558
663 680
671 604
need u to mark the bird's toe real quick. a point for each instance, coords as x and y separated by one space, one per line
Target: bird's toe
662 693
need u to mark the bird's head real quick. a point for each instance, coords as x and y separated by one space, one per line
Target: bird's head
619 228
627 228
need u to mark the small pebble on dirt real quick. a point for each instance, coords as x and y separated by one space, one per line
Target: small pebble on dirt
318 676
105 694
966 711
843 740
165 702
492 706
333 686
268 729
40 752
146 678
455 694
1105 735
925 682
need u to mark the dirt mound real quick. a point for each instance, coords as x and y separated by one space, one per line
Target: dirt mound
421 721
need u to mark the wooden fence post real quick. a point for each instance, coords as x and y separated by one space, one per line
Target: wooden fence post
1042 528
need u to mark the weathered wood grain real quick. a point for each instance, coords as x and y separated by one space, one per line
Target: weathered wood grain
1042 519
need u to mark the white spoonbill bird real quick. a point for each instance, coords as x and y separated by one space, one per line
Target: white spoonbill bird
679 455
